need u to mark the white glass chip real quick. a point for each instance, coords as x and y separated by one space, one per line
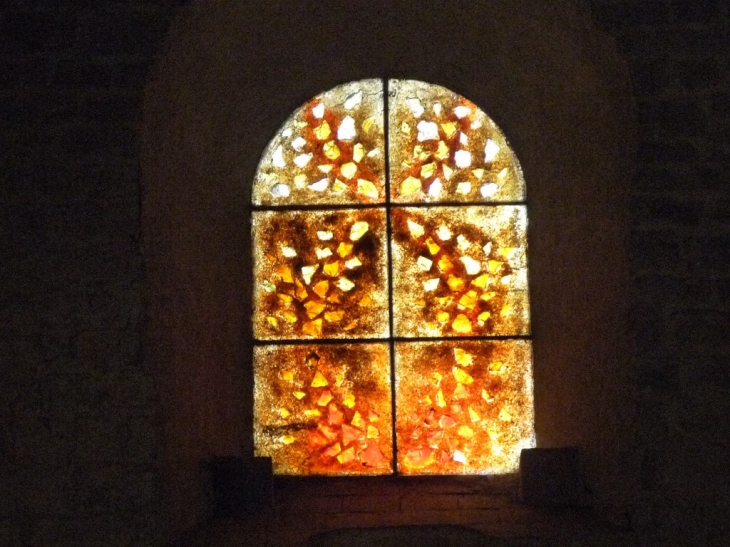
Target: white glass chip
319 186
277 158
353 100
462 158
302 160
416 107
427 131
488 189
280 190
490 150
298 143
347 131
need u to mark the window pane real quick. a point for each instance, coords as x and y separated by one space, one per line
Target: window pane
460 271
320 274
444 148
324 409
463 407
330 151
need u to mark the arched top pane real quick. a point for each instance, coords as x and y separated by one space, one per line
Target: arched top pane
330 151
443 148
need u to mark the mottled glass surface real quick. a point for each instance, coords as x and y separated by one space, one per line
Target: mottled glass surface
329 244
320 274
324 409
463 407
460 271
330 151
443 148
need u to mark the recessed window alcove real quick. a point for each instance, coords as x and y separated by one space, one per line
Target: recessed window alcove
231 74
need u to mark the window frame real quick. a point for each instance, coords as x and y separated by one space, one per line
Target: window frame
388 206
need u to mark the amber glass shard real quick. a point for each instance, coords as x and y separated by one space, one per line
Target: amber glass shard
444 148
315 265
330 151
480 285
448 427
329 414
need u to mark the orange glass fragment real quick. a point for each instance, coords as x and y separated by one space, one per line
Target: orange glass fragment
419 457
333 316
321 288
455 283
332 451
445 265
350 434
346 456
344 249
468 300
460 392
335 417
284 272
330 433
432 246
314 308
319 380
461 324
324 398
461 376
446 422
372 456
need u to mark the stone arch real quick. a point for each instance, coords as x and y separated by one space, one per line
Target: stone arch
232 71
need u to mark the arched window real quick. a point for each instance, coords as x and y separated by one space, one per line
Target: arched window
391 313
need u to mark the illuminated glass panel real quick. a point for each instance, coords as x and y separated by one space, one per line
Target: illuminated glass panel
463 407
450 242
444 148
320 274
330 151
324 409
460 271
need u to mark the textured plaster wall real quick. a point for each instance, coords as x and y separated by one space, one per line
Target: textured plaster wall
79 442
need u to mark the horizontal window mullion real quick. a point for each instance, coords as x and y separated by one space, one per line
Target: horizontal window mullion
397 339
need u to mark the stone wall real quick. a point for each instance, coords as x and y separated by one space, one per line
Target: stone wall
78 439
678 53
78 417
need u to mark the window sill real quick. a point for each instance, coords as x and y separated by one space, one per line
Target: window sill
305 506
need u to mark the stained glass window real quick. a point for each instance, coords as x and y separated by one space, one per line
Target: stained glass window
391 312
